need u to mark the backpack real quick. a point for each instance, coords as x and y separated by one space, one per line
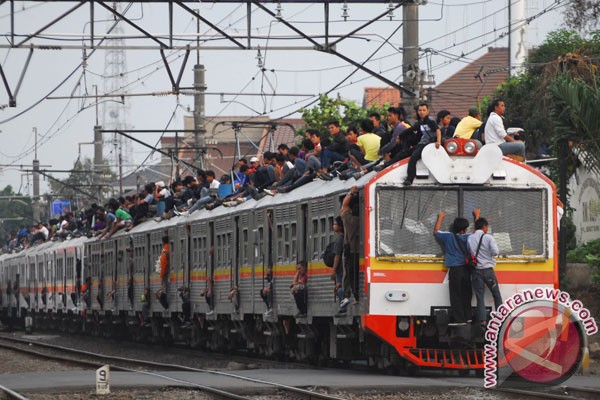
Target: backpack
329 254
478 134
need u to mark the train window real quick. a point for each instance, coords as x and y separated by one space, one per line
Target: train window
516 217
294 248
244 246
405 220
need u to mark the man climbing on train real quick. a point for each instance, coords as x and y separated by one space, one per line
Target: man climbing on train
459 275
485 248
165 269
298 289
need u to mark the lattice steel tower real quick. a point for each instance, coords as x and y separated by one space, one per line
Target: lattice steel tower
115 113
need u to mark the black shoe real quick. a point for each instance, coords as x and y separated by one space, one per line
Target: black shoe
406 183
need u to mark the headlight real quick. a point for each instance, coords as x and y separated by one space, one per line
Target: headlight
451 146
403 324
470 147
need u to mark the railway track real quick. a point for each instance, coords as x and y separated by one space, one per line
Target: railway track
8 394
559 393
96 360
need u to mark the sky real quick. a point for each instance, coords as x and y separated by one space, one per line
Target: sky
452 33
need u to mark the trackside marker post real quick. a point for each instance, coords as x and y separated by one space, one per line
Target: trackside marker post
103 380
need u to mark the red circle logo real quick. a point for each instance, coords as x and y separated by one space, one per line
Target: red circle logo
542 343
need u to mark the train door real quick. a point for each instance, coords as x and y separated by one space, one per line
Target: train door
69 282
259 260
95 281
199 265
244 271
155 245
79 276
52 282
130 291
177 257
90 282
110 274
118 293
322 297
140 261
210 272
282 230
222 236
182 259
31 282
60 278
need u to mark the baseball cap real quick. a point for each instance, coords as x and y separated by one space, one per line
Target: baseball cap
254 159
160 184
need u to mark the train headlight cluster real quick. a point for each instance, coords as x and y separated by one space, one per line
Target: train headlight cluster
470 147
451 146
461 147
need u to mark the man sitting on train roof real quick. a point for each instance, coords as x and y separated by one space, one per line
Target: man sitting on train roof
469 124
368 144
401 143
337 149
430 133
297 170
313 165
496 134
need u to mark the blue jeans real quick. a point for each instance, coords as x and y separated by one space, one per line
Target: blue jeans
329 156
516 148
480 279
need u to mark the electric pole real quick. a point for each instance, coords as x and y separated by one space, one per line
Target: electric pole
200 88
410 54
98 158
36 183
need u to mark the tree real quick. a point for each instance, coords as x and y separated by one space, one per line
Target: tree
576 105
15 212
582 15
527 95
84 185
328 109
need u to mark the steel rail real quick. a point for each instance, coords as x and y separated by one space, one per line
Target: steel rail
7 393
293 391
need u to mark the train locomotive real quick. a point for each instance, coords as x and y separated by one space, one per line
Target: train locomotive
401 313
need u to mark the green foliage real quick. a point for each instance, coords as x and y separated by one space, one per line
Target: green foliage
580 254
14 213
80 184
345 112
588 253
564 55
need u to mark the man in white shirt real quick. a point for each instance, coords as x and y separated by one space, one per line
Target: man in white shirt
484 247
210 177
496 134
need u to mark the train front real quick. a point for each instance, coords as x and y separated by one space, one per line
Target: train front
407 282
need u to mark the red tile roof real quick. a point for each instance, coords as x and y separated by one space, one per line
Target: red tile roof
381 96
471 84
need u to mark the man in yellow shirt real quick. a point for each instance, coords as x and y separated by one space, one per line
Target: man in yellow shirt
368 143
468 124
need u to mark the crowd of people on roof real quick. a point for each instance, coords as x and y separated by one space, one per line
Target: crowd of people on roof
373 144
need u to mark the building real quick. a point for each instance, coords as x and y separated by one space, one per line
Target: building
467 87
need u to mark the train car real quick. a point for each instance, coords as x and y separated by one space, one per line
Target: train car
408 284
400 313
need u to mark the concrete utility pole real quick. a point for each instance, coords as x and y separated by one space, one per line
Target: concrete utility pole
199 128
98 157
410 54
517 38
200 88
36 183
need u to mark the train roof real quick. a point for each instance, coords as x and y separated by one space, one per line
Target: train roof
316 189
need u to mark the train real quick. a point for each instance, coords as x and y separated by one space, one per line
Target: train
401 313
